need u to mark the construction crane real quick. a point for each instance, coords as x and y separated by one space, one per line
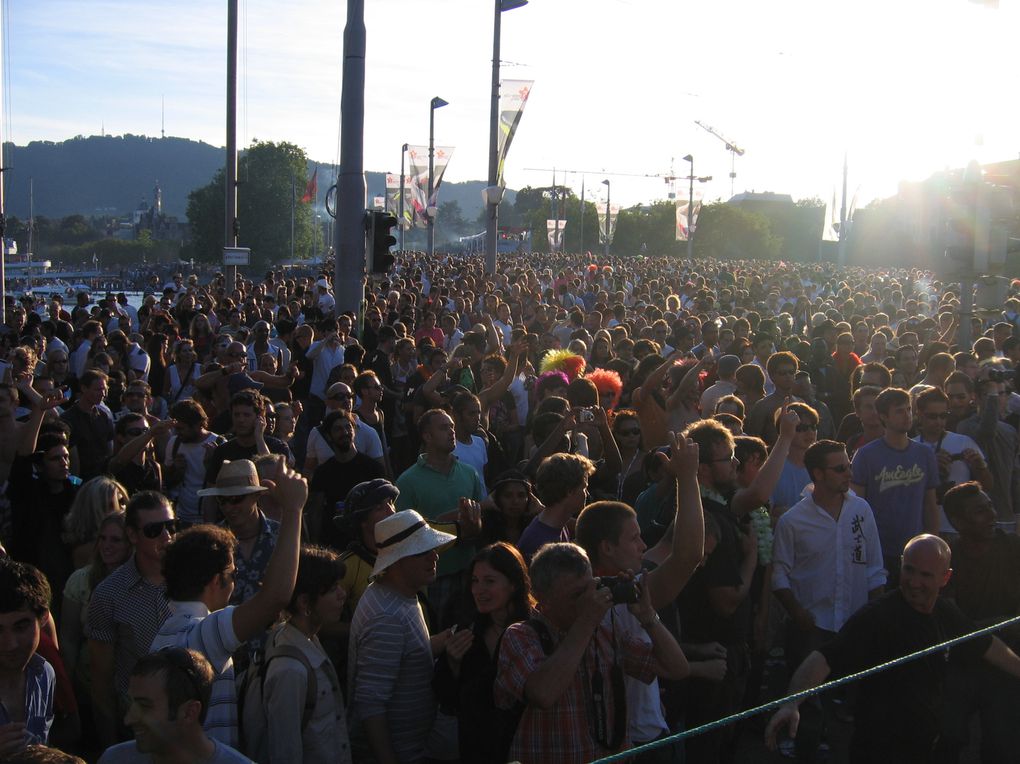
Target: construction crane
734 149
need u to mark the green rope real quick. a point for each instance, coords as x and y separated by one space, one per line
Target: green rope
803 694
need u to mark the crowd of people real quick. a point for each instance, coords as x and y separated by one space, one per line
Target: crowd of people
549 514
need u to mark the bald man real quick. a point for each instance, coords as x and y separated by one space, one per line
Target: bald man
898 712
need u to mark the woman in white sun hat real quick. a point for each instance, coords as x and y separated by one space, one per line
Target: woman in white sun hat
391 653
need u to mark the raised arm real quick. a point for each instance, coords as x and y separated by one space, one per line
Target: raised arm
490 395
764 483
669 578
253 616
30 431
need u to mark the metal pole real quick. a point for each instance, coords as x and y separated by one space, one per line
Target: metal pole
581 225
230 223
428 201
400 227
842 219
3 217
293 199
690 214
349 268
492 210
966 313
609 218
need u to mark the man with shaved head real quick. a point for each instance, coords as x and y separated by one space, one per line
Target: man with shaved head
899 711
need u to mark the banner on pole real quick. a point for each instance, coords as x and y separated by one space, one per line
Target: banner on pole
555 229
513 96
393 200
686 223
614 213
418 180
830 223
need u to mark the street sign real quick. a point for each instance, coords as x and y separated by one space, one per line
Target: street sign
237 256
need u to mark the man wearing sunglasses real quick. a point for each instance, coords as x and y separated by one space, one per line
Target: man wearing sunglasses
827 563
959 458
126 610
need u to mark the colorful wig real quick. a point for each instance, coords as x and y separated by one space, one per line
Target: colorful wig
550 379
569 363
607 382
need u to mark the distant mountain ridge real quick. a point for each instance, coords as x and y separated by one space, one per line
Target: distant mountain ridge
113 174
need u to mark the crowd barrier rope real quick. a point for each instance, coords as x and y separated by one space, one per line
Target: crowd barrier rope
803 694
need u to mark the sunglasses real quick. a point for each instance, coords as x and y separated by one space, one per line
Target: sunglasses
155 530
134 432
341 397
233 499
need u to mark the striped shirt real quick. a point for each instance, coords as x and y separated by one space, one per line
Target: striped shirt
212 635
126 611
390 665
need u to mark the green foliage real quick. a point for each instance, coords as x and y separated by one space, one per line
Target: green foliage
728 232
268 173
115 252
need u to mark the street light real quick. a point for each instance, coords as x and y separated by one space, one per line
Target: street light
493 194
437 103
609 215
690 208
400 227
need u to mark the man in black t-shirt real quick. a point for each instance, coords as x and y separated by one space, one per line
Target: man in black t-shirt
899 710
335 477
91 425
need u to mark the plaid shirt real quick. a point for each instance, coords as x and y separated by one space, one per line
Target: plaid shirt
565 732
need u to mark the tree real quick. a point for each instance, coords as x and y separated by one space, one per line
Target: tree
450 222
268 174
728 232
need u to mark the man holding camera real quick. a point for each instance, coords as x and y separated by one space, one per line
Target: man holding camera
566 667
959 457
610 534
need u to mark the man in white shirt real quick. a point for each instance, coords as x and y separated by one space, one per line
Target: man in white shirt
199 569
826 561
726 384
960 459
325 300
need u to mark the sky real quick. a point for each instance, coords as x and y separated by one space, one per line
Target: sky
904 88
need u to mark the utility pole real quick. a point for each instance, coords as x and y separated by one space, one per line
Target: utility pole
230 223
400 227
349 267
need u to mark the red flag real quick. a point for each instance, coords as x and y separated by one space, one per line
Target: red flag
312 188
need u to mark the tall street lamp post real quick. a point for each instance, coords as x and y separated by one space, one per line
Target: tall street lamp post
690 208
400 226
494 194
437 103
609 215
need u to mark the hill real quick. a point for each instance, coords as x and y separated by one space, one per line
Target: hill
110 175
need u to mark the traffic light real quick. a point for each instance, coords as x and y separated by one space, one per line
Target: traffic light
381 239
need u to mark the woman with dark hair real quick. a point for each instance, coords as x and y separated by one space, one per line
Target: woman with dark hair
291 729
497 593
510 507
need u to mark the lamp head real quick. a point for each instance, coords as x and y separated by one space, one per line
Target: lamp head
509 5
689 158
438 103
605 182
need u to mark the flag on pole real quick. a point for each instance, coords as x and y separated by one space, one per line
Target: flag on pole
418 180
607 220
513 95
687 219
830 224
555 229
312 189
393 200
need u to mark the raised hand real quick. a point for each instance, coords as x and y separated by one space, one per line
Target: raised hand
684 458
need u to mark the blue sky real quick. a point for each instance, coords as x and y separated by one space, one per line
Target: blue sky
905 87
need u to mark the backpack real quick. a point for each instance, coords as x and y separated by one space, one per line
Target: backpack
251 713
508 720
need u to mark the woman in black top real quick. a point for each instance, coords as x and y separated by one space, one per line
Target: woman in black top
497 594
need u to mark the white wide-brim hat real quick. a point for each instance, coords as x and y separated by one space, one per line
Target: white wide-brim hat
405 534
236 478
